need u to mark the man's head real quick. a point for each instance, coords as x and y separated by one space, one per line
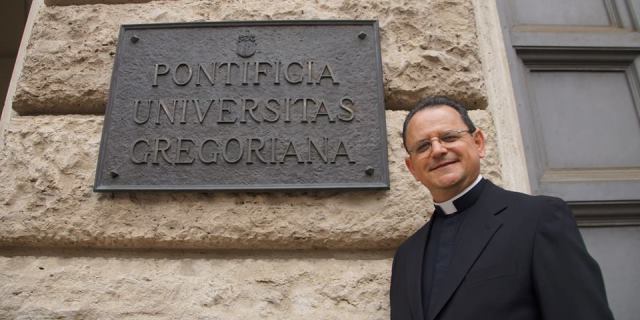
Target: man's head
444 146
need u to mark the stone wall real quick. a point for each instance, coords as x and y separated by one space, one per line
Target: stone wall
72 253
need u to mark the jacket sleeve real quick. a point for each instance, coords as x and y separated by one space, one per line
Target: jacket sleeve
567 280
399 302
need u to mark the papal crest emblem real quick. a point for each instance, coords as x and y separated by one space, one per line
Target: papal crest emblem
246 45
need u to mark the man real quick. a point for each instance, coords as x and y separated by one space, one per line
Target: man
486 253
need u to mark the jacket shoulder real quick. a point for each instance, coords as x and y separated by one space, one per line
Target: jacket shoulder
538 205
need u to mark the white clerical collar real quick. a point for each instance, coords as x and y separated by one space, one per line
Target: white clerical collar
448 207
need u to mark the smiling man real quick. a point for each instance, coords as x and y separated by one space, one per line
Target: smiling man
486 253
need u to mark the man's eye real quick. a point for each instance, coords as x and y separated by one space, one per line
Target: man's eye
450 138
423 147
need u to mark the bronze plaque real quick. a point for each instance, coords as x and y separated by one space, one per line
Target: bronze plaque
269 105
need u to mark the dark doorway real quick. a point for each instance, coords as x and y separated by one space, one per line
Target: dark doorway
13 16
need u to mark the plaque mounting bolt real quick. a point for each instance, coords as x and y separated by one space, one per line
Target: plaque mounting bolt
134 39
114 174
362 35
369 171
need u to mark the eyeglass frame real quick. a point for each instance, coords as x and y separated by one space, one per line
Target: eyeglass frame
429 150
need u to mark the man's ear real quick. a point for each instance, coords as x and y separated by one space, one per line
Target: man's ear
478 139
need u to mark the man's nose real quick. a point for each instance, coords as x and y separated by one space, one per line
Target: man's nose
437 148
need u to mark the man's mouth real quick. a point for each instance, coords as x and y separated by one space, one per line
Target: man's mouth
442 164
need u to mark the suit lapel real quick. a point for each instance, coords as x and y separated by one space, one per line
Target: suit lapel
476 231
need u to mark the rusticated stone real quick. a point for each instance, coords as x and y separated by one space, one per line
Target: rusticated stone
80 2
428 46
46 200
113 285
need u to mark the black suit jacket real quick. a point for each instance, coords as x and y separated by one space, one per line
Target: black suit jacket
518 257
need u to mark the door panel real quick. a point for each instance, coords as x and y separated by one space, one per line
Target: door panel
616 250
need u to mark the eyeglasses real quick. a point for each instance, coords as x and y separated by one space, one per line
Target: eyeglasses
445 139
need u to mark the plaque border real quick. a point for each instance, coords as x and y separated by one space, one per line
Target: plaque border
382 184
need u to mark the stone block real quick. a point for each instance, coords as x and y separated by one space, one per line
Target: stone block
113 285
46 200
428 46
81 2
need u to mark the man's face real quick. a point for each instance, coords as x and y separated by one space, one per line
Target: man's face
445 169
